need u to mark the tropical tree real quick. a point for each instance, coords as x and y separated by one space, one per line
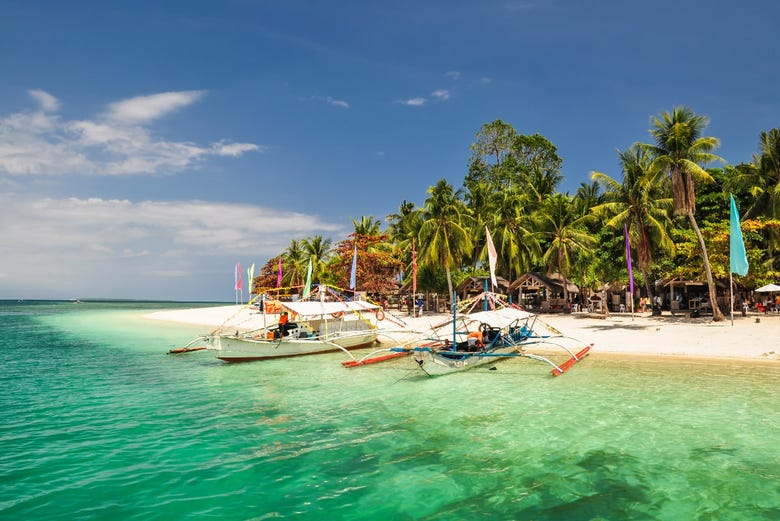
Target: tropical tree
375 266
403 230
367 226
761 177
512 228
294 264
678 151
318 250
637 201
505 159
444 236
565 234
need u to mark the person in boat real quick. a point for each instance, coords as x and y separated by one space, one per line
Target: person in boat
475 342
283 320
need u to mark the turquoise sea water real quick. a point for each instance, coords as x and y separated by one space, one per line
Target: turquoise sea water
97 422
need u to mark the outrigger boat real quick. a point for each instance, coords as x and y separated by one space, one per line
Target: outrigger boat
485 337
318 327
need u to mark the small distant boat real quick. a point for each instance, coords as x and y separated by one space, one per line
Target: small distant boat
316 327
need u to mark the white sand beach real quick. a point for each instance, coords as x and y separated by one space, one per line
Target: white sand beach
753 337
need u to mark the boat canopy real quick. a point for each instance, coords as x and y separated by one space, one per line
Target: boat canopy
311 308
499 318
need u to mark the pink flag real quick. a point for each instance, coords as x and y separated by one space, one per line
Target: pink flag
492 257
279 273
238 277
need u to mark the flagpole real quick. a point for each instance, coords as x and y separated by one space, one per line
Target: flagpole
731 297
738 262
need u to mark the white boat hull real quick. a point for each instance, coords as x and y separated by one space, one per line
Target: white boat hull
231 348
443 362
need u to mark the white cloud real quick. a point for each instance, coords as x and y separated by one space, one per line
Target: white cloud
144 109
337 103
452 74
413 102
40 143
441 94
235 149
62 248
485 80
48 102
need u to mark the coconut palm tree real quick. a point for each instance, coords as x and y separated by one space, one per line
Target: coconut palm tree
295 262
367 225
318 250
512 229
444 236
565 234
403 229
678 151
639 203
761 177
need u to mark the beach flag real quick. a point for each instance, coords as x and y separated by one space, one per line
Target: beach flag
353 273
738 256
414 269
279 273
628 259
307 287
492 257
238 276
250 277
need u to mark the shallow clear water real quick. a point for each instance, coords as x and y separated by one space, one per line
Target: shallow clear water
97 422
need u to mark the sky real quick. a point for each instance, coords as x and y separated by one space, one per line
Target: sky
146 147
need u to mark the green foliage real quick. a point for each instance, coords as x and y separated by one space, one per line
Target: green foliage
510 188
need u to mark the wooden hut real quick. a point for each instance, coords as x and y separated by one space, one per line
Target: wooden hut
475 285
540 292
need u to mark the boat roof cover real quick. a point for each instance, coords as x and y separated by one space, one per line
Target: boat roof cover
309 308
499 318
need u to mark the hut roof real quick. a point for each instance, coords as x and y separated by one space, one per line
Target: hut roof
537 280
476 284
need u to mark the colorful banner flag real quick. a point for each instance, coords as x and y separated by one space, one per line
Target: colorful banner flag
737 255
353 273
307 287
279 273
492 257
414 269
628 259
238 277
250 277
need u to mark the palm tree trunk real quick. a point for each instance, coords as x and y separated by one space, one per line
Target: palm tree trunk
647 284
717 316
449 278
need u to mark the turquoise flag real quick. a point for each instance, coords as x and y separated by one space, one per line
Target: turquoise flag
739 262
307 287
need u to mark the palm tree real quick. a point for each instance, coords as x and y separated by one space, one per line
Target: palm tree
512 229
444 236
367 226
761 177
295 263
678 150
318 249
637 201
403 229
565 232
478 199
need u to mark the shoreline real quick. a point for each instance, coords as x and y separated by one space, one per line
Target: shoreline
620 334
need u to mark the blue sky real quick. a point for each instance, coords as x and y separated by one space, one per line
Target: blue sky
147 146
